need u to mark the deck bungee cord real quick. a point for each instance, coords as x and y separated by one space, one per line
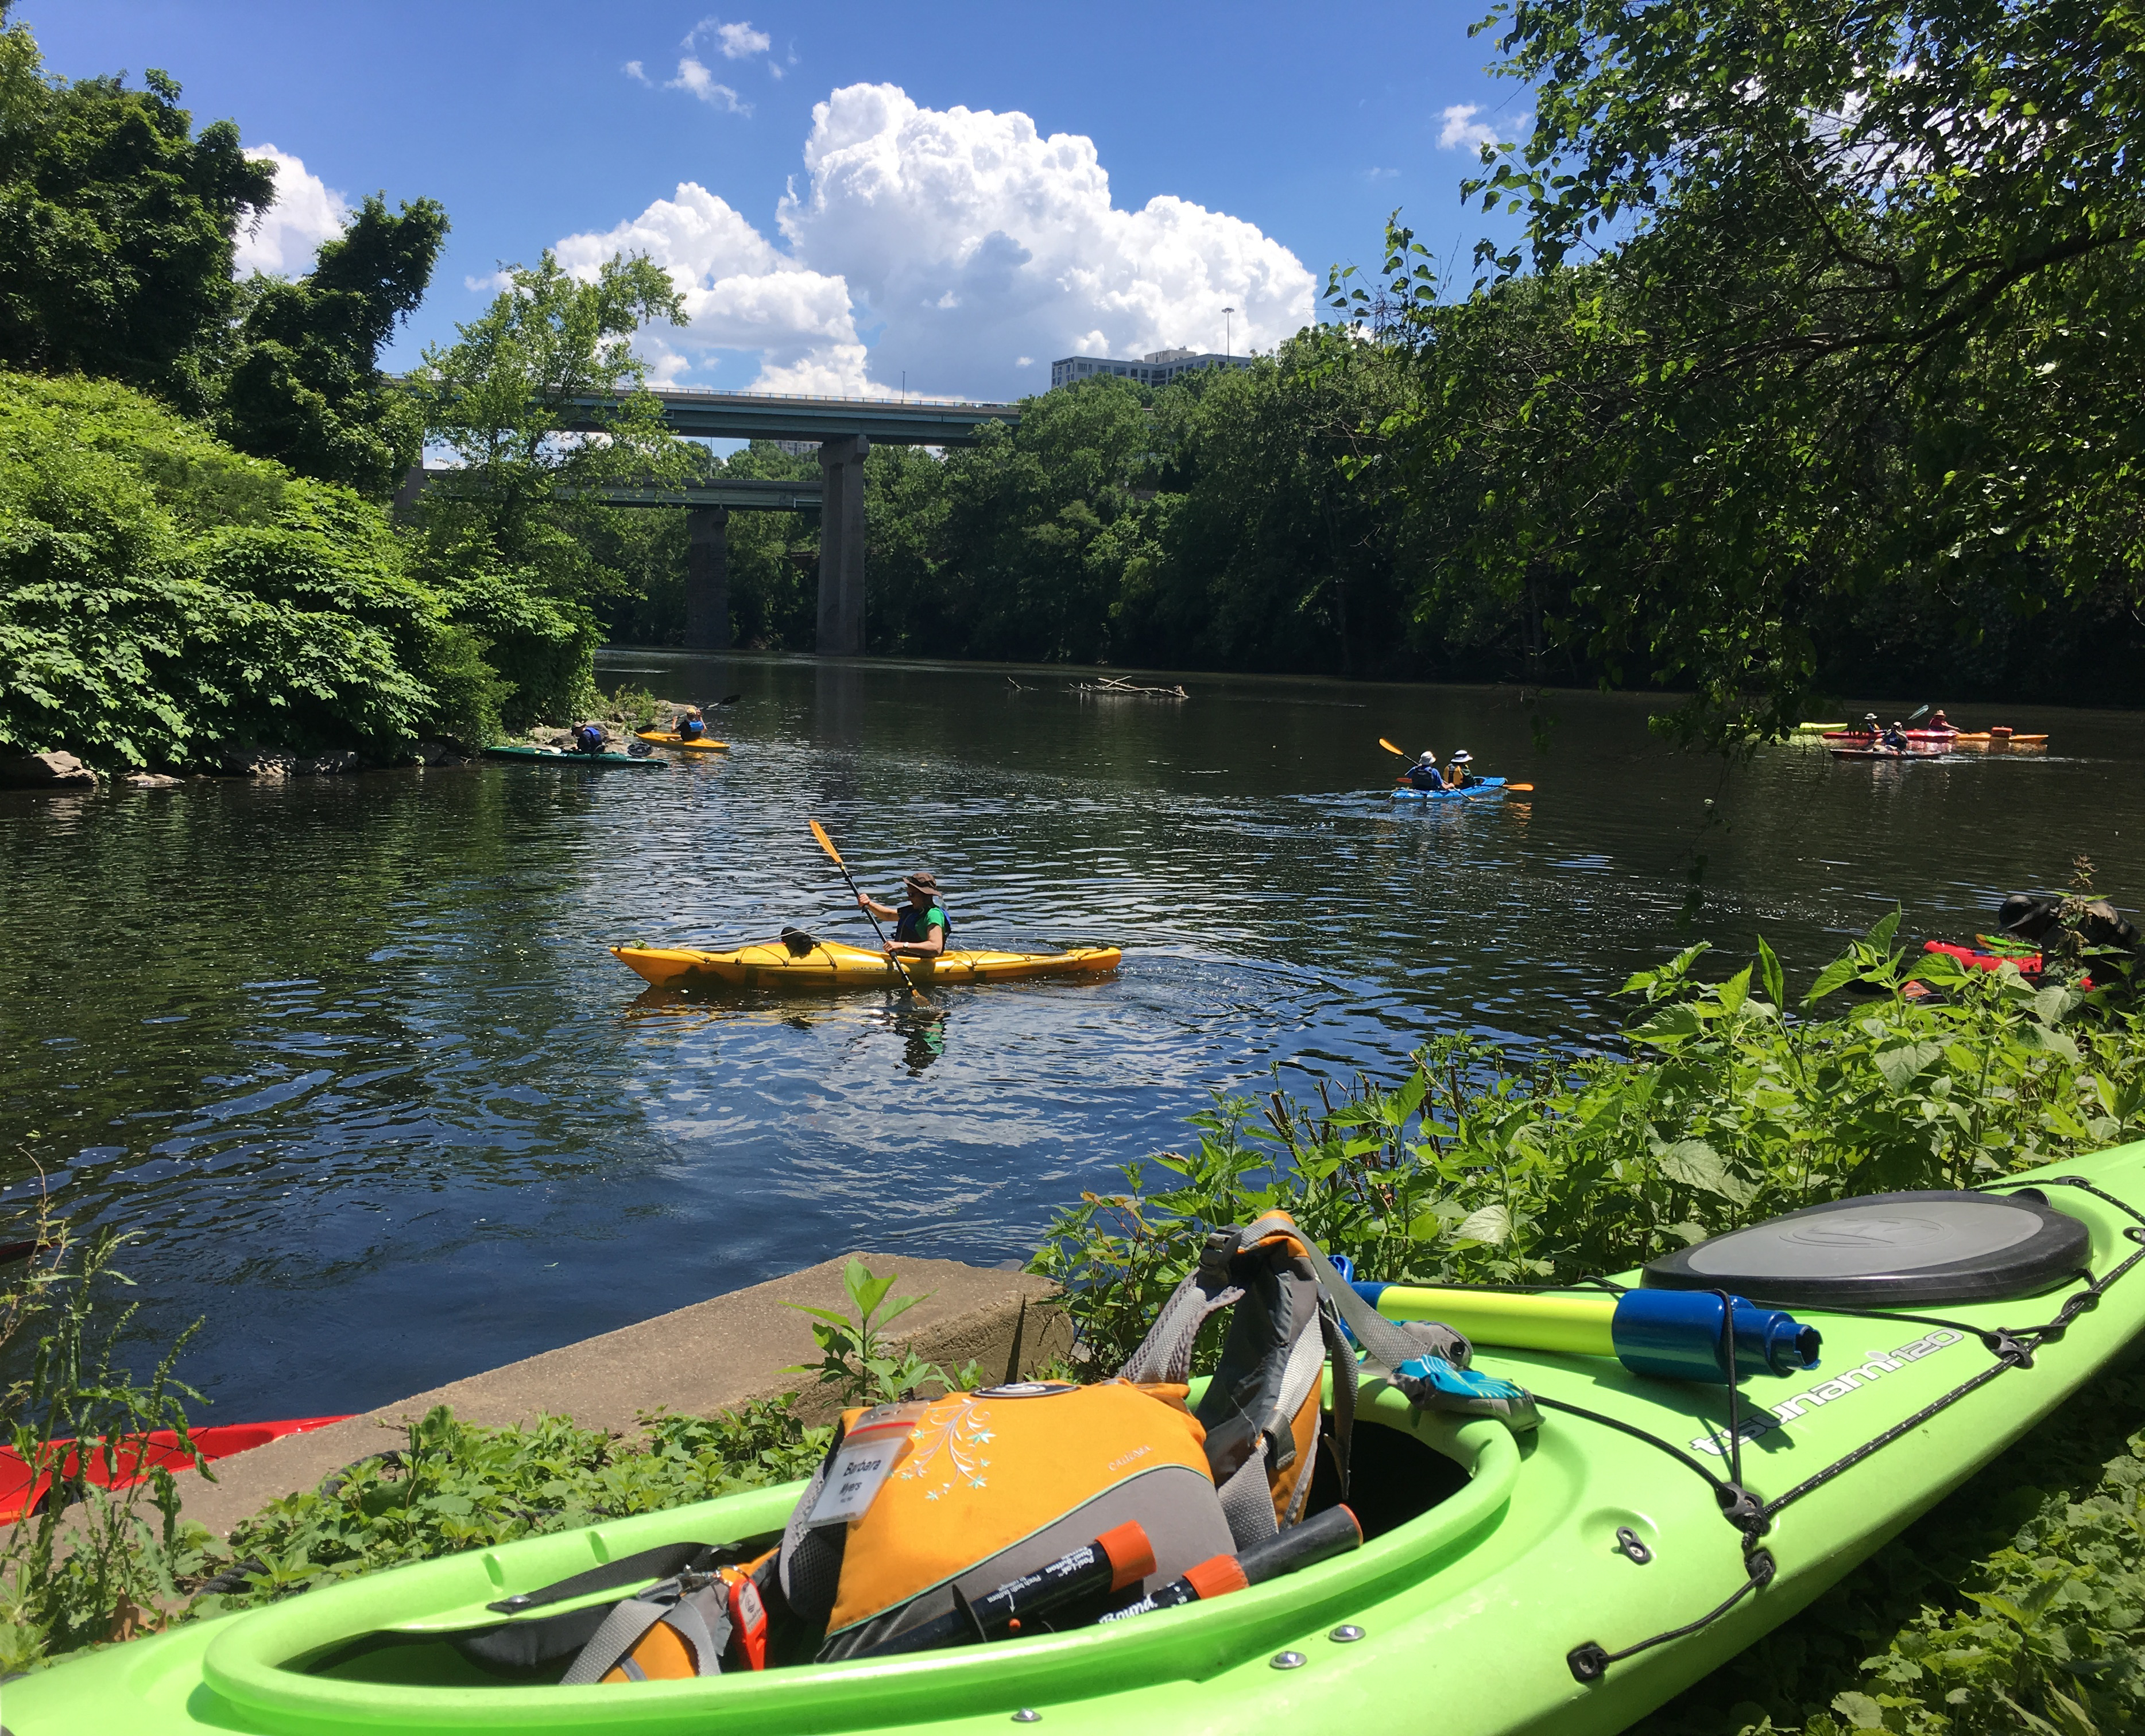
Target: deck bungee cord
2013 1348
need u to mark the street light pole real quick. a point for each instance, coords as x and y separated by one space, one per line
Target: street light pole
1229 338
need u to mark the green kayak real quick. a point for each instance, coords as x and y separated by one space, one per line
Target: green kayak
559 756
1568 1581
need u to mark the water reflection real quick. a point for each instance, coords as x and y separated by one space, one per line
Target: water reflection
350 1054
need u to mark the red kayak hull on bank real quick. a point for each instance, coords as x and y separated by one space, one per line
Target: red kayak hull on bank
21 1493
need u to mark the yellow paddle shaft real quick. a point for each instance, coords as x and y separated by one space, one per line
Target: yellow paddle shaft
1577 1324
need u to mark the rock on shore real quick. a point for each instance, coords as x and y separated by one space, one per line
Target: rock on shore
45 770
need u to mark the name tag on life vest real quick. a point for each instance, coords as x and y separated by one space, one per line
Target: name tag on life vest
866 1457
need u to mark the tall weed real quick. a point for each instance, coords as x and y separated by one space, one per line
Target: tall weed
87 1563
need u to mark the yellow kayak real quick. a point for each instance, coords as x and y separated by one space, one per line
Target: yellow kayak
705 744
823 964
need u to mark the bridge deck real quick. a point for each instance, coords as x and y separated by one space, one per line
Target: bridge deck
704 415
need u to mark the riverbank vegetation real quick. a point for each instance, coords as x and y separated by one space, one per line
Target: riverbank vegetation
166 600
198 556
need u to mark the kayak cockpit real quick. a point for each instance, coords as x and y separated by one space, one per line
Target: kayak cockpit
349 1652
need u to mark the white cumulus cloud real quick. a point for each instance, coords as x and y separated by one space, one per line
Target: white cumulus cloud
965 243
1462 131
289 233
738 42
694 77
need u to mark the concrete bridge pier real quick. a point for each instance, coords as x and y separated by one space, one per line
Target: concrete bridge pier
707 579
842 545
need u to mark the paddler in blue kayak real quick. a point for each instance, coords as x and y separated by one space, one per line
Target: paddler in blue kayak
1458 774
920 928
1424 774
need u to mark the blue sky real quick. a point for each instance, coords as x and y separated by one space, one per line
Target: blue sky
965 250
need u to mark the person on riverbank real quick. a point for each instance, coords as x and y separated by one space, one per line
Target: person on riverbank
1424 774
920 928
692 726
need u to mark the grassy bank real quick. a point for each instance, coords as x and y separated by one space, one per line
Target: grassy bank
2014 1606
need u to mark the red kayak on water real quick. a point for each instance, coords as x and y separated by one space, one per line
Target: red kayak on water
21 1494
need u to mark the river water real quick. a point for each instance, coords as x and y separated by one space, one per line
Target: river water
349 1056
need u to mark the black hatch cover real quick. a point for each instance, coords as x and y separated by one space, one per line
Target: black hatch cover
1888 1249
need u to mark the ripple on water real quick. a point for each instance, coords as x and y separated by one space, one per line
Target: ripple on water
353 1061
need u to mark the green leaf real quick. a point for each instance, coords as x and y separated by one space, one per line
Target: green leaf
1841 972
1695 1164
1902 1062
865 1291
2056 1042
1774 979
1487 1223
1734 992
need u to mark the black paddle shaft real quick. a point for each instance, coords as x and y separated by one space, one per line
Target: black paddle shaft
900 974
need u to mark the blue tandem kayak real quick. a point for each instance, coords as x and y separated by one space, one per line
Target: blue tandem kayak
1487 787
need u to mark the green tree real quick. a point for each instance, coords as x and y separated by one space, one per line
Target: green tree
544 404
307 389
116 223
161 595
1278 551
1859 321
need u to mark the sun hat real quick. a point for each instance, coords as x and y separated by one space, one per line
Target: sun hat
1431 754
924 880
1463 757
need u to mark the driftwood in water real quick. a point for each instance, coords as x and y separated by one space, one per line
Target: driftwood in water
1112 684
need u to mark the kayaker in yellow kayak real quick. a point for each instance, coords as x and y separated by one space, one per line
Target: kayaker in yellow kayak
921 930
692 726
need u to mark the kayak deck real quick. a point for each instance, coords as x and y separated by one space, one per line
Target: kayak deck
559 756
836 964
1569 1582
702 744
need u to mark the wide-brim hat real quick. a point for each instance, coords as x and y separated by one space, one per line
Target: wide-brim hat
923 881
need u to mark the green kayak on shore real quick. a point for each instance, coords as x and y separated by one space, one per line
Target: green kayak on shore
1567 1581
560 756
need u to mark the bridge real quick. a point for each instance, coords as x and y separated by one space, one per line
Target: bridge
844 429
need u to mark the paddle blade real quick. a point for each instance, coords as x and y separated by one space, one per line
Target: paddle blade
1389 747
826 843
1917 712
1522 788
730 699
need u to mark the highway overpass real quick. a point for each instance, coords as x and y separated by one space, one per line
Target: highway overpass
844 429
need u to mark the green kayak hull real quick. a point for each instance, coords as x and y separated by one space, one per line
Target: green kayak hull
554 756
1474 1615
